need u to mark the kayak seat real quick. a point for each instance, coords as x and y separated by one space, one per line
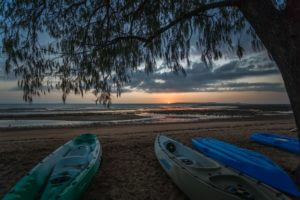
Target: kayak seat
67 168
234 185
76 162
59 179
82 150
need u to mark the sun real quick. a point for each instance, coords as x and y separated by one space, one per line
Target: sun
169 101
167 98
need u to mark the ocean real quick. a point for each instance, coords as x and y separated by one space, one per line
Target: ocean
66 115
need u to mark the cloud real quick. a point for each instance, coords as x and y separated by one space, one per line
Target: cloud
200 78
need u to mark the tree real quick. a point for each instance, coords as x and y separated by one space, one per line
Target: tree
81 45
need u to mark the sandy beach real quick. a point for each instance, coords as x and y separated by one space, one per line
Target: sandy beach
130 169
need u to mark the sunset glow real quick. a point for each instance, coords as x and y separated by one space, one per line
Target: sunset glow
226 97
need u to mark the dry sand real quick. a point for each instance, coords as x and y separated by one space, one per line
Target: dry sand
130 169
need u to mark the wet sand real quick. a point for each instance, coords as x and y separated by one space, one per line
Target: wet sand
130 169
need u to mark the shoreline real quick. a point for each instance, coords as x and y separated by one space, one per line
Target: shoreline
132 119
130 169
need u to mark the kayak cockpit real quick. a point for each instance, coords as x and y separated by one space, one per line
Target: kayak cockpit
66 171
71 165
68 168
82 150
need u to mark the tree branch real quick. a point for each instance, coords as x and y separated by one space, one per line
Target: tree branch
118 39
185 16
76 5
195 12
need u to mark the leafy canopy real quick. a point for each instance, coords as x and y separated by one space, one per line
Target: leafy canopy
82 45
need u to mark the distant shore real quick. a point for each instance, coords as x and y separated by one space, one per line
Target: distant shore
130 169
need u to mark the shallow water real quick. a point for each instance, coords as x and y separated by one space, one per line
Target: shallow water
39 123
63 123
15 115
169 118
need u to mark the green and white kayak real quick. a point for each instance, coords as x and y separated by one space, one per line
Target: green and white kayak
64 174
200 177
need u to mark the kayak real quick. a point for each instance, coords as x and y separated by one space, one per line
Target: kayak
249 162
200 177
283 142
64 174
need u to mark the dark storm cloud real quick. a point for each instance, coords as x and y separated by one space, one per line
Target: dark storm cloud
202 78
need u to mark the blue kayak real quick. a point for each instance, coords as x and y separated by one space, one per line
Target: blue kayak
283 142
248 162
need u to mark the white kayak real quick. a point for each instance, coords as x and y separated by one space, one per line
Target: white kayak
200 177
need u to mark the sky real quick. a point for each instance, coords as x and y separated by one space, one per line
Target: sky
252 79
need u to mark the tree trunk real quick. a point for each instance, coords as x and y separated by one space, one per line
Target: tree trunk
279 31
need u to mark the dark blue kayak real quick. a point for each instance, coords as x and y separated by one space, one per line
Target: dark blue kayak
248 162
283 142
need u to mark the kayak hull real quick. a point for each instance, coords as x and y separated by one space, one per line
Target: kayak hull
249 162
282 142
199 176
64 174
